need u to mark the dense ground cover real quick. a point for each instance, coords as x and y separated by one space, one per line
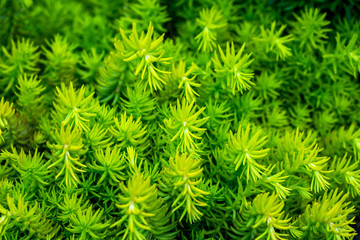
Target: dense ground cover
202 119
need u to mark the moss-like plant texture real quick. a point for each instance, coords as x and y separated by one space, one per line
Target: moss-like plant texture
199 119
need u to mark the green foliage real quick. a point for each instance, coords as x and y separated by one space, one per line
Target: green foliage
346 172
210 21
139 103
348 53
6 112
143 212
309 28
147 54
128 132
73 107
302 158
113 77
90 64
28 219
13 127
274 43
60 61
144 11
70 206
267 85
187 84
32 169
328 218
234 68
185 126
300 118
87 224
23 58
201 119
109 165
181 184
245 148
67 150
30 97
263 218
97 138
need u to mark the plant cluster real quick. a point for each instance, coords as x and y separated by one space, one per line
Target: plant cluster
201 119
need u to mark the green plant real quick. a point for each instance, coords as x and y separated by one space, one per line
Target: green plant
201 119
109 164
33 171
70 205
6 112
30 97
181 182
67 150
61 62
264 218
23 58
87 224
184 125
327 218
147 53
128 132
309 28
245 148
139 103
234 68
186 84
73 107
211 20
143 212
20 216
274 43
